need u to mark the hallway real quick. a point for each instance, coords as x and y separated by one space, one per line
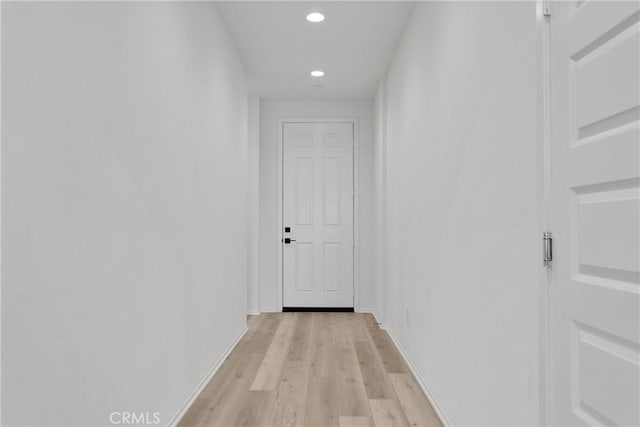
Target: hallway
320 212
312 369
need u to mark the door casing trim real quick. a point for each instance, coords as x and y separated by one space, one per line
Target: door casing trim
356 200
545 276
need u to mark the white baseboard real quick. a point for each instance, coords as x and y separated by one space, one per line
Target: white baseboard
373 312
253 312
185 407
432 399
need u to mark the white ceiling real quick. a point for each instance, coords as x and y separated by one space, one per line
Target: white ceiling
354 45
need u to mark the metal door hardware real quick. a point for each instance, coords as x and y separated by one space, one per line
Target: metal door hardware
547 249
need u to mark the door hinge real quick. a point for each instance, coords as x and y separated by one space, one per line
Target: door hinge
546 9
547 249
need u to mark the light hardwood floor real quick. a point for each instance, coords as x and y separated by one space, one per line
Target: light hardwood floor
312 369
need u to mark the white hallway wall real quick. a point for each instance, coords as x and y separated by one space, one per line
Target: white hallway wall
124 207
462 174
271 111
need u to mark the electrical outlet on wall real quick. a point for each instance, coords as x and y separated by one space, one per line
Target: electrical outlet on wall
407 312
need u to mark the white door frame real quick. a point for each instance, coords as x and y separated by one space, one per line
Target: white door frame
544 196
356 199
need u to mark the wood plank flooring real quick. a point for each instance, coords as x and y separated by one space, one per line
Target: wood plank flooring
312 369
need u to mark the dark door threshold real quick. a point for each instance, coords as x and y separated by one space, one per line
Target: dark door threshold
319 309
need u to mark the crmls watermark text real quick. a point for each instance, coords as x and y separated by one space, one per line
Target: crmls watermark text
134 418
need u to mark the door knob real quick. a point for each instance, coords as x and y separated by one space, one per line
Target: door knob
288 240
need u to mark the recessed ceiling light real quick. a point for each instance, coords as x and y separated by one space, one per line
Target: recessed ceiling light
315 17
317 73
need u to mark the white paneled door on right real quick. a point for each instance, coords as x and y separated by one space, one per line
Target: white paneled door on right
318 215
594 213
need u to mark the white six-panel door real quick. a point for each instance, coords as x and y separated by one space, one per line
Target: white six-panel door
318 209
594 297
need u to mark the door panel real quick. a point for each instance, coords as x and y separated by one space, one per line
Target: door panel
595 213
332 191
318 206
303 183
331 267
303 255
